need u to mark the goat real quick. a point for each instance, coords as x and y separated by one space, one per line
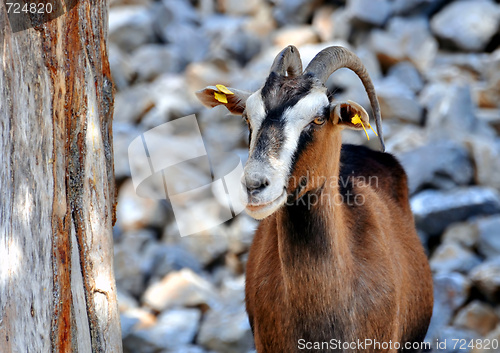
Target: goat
328 275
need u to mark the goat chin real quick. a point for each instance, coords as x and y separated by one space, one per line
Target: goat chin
264 210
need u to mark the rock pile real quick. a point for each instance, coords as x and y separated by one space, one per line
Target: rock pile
436 69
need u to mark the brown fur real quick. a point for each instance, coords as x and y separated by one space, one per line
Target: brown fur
334 271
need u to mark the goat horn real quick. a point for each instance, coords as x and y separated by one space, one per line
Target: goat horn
288 61
329 60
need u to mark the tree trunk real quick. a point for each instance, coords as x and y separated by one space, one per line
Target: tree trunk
57 190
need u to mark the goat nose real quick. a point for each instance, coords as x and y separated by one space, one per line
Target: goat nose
256 182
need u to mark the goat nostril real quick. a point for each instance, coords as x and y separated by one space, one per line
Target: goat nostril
257 185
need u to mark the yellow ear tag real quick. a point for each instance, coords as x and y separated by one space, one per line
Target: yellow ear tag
357 120
221 97
223 89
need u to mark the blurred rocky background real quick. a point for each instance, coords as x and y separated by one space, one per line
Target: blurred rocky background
436 68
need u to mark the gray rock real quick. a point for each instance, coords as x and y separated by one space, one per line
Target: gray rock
292 11
434 210
240 8
404 39
441 164
451 290
230 39
127 324
207 245
465 234
453 257
417 7
226 330
467 24
123 135
448 337
181 288
489 236
169 258
152 60
295 35
478 317
173 330
130 27
177 23
486 154
186 349
450 111
486 277
373 12
397 101
134 212
121 68
133 103
130 266
407 73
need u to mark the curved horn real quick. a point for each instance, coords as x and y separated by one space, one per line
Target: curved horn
333 58
288 60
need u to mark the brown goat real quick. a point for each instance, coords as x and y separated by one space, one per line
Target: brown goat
336 264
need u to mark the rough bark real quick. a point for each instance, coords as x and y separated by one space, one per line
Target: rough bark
57 288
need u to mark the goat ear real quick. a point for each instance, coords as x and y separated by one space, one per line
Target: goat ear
233 99
350 115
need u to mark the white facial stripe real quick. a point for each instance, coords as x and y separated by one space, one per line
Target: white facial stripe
296 119
256 112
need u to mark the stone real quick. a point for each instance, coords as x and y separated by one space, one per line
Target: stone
489 236
125 301
416 7
130 27
173 329
469 25
131 104
226 330
208 245
181 288
477 316
323 24
493 337
239 8
455 340
404 39
397 101
121 68
177 23
372 12
295 35
123 135
172 100
151 60
134 212
486 155
131 268
453 257
486 277
135 319
434 210
403 137
406 73
440 164
169 258
463 233
451 290
292 11
230 40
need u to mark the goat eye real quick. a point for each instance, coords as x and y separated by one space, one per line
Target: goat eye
319 120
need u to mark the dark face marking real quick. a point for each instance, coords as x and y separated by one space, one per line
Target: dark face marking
278 94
